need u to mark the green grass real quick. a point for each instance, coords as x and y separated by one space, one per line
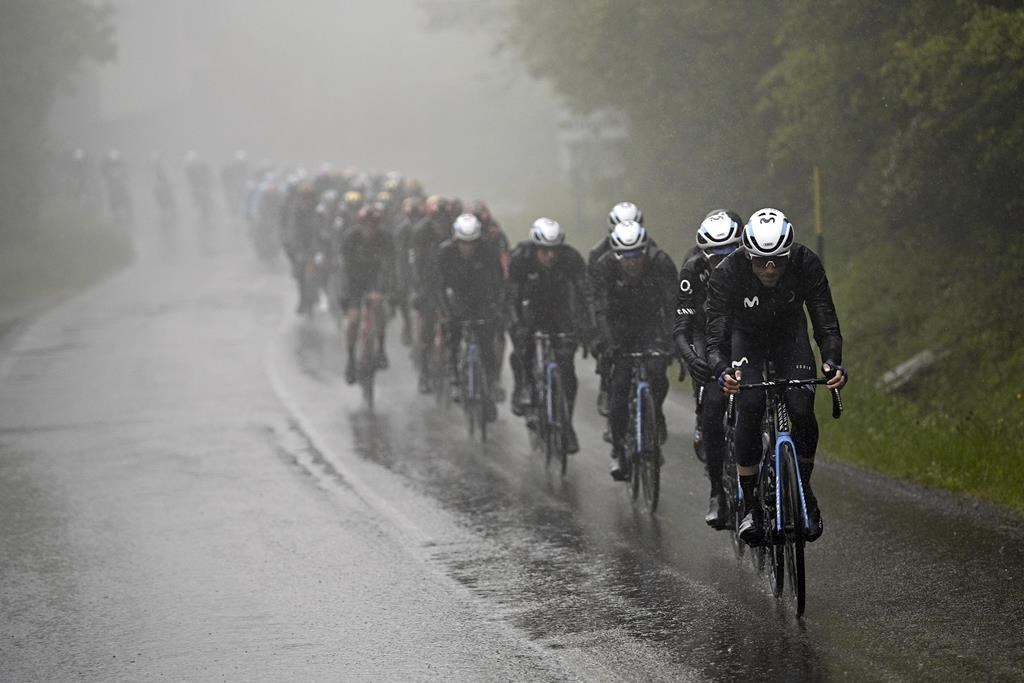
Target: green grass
68 250
958 425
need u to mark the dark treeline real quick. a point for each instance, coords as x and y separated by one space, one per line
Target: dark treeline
909 108
42 44
912 111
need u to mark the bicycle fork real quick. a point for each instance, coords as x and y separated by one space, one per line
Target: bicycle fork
784 438
640 388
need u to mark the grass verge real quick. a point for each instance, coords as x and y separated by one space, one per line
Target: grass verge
69 250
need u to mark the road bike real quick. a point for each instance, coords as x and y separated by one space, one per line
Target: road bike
474 387
549 418
368 352
643 443
780 489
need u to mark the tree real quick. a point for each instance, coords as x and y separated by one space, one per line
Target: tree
42 44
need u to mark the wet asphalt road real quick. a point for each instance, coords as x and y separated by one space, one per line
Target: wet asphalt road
190 491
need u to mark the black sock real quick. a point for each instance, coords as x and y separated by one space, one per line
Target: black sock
805 477
748 484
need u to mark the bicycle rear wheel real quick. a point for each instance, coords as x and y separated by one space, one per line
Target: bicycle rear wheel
794 546
474 399
650 452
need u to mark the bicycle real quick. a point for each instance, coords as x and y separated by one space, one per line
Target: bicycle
474 387
368 351
643 445
780 489
549 417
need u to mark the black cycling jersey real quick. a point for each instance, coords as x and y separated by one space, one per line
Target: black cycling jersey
470 287
369 262
631 312
426 244
555 294
737 301
691 297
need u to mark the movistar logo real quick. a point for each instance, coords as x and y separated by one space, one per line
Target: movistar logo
750 303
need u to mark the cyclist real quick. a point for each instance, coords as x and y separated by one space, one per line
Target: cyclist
368 259
755 311
497 238
427 239
544 292
200 183
633 295
470 288
115 176
412 218
717 237
623 211
163 195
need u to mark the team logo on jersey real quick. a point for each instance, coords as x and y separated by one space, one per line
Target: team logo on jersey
685 287
750 303
740 362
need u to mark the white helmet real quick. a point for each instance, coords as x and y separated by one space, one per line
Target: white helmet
628 236
720 232
624 211
547 233
768 233
466 228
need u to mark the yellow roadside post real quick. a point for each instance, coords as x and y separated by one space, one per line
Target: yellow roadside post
818 228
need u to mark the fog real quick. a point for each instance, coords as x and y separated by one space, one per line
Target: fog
364 83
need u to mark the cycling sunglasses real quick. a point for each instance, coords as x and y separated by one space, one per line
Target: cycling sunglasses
722 251
631 254
763 261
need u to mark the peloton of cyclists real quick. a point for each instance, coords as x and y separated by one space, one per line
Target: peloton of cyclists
755 312
545 292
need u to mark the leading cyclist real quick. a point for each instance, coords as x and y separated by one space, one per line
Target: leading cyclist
755 309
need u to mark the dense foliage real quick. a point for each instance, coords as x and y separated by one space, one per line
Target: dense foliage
42 43
912 111
909 108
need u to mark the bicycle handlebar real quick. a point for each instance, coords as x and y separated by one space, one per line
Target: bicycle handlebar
837 399
554 335
646 354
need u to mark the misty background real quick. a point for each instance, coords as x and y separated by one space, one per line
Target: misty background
374 84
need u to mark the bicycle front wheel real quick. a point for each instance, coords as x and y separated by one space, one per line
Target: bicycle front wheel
794 546
776 543
650 452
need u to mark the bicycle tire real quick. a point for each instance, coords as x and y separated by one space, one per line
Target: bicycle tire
557 433
731 487
650 452
775 537
545 425
367 362
794 544
484 398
